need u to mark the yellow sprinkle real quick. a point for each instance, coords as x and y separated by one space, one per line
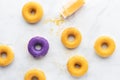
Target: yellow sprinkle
57 21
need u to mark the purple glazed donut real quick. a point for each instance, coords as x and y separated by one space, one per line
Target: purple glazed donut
42 42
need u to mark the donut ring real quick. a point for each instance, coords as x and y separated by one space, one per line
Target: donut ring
32 12
100 42
71 32
35 74
9 55
77 66
42 42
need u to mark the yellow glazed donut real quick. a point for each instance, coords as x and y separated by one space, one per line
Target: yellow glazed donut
77 66
35 74
71 32
32 12
104 51
4 61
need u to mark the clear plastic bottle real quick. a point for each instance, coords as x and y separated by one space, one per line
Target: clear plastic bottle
71 7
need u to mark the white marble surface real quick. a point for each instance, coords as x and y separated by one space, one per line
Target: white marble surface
96 18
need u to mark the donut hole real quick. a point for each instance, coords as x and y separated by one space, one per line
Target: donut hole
38 46
77 65
34 78
104 45
33 11
3 55
71 38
